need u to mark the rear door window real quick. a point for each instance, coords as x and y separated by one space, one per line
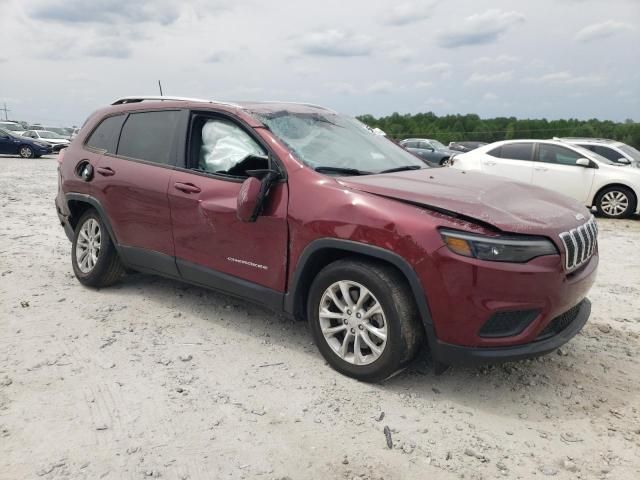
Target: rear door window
517 151
149 136
105 136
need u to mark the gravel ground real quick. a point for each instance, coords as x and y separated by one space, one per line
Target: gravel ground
154 378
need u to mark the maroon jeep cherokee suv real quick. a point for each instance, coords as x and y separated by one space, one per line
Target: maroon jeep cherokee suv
315 215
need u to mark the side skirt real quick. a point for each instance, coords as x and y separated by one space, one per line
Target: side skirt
156 263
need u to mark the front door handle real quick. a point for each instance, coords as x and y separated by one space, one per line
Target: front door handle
105 171
490 163
541 169
187 187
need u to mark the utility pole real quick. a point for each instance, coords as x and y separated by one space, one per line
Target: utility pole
5 110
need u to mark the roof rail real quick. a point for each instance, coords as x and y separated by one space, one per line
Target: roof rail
597 139
142 98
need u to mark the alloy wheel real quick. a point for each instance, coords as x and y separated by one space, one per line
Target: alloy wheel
614 203
353 322
26 152
88 245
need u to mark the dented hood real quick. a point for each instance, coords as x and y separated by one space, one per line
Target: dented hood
506 205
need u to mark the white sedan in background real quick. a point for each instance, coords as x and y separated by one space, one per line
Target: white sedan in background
614 189
57 141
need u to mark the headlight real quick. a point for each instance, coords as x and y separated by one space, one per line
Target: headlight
497 249
41 144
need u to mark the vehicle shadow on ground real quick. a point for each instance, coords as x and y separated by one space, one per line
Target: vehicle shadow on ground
552 380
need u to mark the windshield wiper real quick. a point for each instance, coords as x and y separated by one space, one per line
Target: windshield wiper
402 169
345 171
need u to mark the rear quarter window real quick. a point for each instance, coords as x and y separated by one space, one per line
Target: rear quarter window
149 136
105 136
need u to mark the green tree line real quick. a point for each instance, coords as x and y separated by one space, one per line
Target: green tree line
451 128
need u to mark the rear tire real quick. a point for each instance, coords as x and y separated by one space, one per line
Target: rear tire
616 202
93 255
348 326
25 151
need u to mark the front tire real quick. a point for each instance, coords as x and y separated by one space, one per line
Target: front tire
616 202
25 151
363 319
93 254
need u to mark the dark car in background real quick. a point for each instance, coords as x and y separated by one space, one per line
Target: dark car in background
431 151
465 146
11 144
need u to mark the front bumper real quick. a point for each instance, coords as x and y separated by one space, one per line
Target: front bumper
449 354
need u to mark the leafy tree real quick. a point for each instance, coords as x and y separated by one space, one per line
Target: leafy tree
450 128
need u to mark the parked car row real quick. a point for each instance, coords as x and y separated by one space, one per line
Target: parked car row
12 144
380 254
54 137
19 128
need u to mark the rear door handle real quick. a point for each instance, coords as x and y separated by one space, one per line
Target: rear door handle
105 171
541 169
490 163
187 187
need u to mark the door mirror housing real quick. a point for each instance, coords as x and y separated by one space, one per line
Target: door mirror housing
584 162
624 161
253 194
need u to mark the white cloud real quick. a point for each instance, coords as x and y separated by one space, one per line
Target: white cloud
423 84
500 59
498 77
342 88
602 30
489 97
480 28
408 12
335 43
441 69
383 86
566 78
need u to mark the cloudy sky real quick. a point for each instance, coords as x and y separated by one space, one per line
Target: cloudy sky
61 59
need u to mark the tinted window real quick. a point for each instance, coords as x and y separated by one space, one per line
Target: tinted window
149 136
410 144
222 147
555 154
105 137
426 146
607 152
496 152
517 151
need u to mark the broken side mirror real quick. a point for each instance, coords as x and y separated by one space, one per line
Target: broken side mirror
253 194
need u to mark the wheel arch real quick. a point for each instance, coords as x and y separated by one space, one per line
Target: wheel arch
79 203
618 185
322 252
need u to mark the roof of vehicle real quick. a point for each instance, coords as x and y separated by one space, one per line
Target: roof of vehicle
587 140
250 106
416 140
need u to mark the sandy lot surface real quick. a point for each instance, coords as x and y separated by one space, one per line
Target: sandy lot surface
153 378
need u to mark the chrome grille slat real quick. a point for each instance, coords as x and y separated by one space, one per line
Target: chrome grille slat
580 244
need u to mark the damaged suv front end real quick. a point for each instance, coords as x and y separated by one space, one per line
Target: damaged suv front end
502 269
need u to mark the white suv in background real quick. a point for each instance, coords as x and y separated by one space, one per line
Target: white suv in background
613 188
612 149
